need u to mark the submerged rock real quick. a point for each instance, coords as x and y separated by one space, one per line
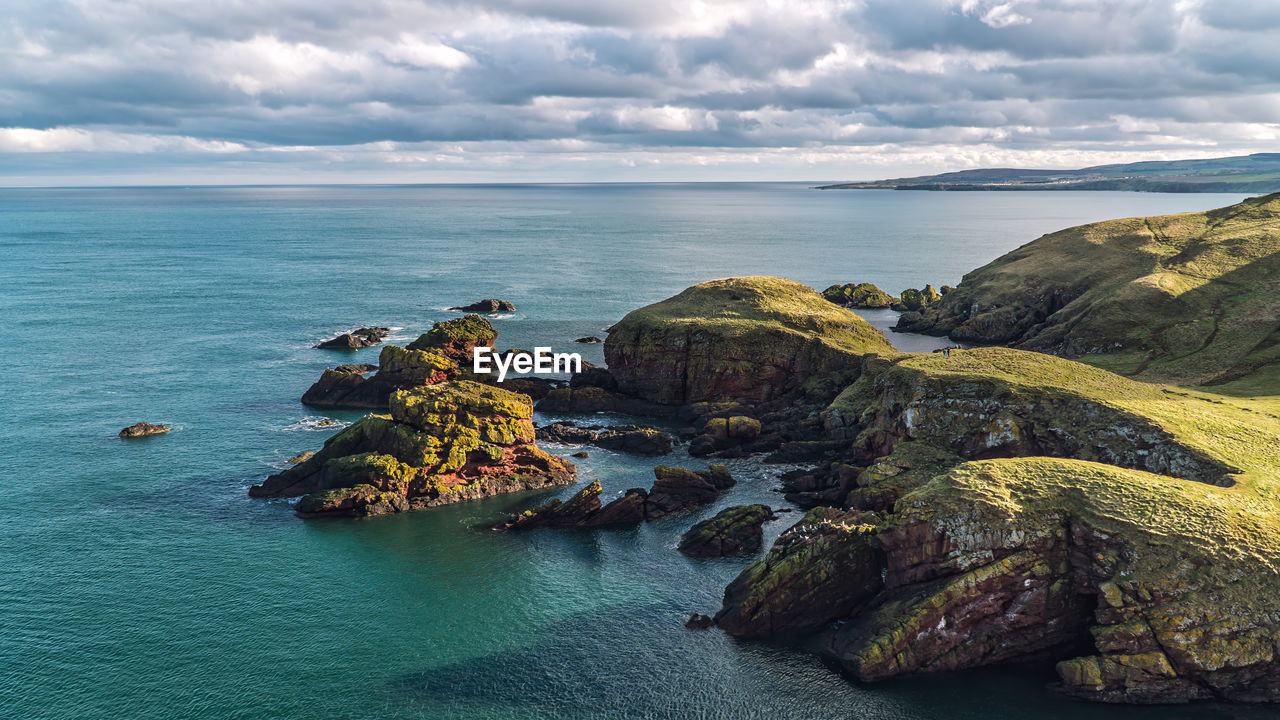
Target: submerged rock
488 306
698 621
143 429
356 339
737 530
440 444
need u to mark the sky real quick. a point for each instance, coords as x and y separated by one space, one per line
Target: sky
404 91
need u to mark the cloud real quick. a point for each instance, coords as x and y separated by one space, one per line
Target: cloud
522 86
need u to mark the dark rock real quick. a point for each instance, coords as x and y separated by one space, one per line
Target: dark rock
143 429
698 621
582 455
576 511
356 339
632 439
737 530
487 306
594 377
626 510
821 569
678 489
589 340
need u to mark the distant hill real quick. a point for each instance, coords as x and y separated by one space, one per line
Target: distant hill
1258 173
1192 299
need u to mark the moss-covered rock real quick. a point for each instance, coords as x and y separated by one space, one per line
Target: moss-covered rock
750 340
859 295
442 443
455 339
737 530
914 300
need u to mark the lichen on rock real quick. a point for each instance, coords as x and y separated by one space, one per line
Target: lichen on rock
442 443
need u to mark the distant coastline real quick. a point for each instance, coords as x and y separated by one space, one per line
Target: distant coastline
1257 173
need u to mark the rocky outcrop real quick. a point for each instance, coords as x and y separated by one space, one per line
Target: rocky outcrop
751 340
722 433
455 339
913 300
737 530
440 444
633 439
489 306
356 339
863 296
822 569
589 340
300 457
676 490
441 354
143 429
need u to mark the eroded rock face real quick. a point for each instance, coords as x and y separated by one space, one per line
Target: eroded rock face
440 444
737 530
747 340
820 570
971 579
441 354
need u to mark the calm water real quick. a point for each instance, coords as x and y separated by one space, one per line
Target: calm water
137 579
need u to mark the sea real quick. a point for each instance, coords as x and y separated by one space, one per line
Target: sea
139 580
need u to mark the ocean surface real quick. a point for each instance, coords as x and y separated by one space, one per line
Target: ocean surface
138 580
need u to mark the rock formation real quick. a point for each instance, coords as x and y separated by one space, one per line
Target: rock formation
356 339
737 530
440 444
488 306
675 490
440 354
143 429
859 295
749 340
633 439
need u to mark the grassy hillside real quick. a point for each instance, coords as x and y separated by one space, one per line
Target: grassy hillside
1191 299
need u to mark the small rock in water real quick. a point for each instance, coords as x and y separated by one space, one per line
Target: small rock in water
300 457
698 621
356 339
582 454
326 422
143 429
491 305
590 339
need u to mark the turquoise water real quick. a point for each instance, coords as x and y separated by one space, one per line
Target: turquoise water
137 579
